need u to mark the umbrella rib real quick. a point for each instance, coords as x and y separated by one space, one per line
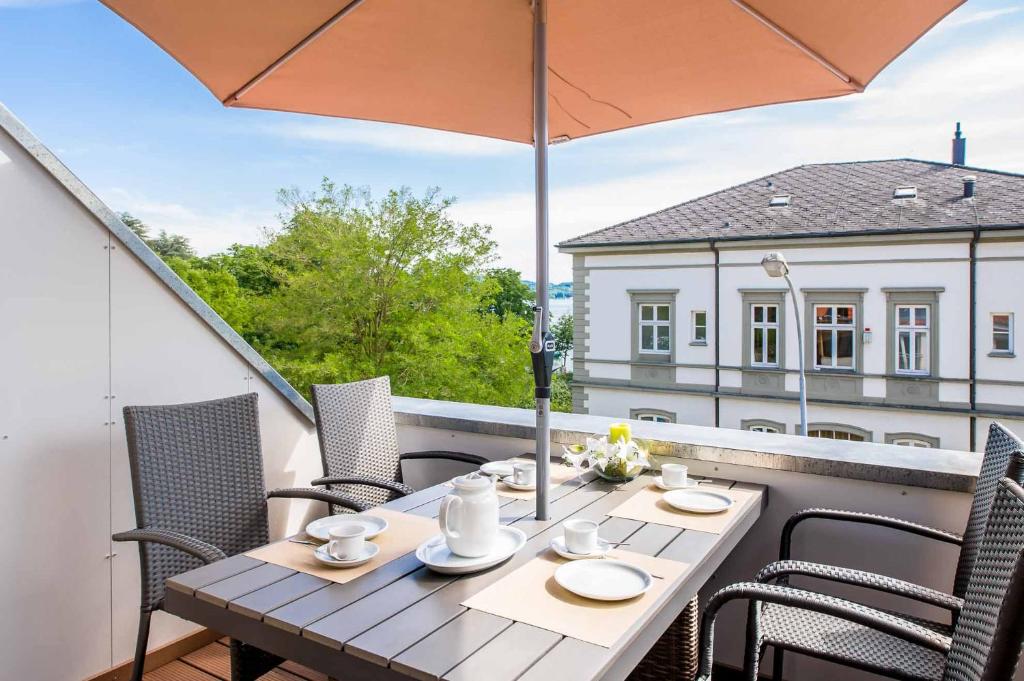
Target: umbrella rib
587 94
280 61
799 44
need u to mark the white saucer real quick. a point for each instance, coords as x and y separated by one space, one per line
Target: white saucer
559 547
604 580
319 528
499 468
369 551
435 554
508 481
697 500
660 483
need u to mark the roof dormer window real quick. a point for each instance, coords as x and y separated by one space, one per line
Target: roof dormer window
779 201
904 193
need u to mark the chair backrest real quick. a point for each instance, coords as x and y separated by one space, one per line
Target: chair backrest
355 423
196 469
1000 445
988 634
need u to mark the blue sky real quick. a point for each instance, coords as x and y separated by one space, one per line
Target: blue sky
148 138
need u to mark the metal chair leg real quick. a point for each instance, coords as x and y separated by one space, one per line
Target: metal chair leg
141 643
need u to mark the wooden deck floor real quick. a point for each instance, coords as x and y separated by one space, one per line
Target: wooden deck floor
212 663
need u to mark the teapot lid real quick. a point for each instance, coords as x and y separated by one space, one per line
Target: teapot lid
472 481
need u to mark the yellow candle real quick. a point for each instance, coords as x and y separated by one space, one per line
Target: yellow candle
619 431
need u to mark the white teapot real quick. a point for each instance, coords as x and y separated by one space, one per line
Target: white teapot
469 516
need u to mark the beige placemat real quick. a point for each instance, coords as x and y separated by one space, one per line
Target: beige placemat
531 595
559 475
405 532
647 506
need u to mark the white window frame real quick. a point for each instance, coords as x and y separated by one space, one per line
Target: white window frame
764 325
837 430
1009 333
654 322
911 442
834 328
694 338
914 331
653 418
761 428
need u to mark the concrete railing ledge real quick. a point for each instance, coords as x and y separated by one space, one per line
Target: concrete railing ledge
941 469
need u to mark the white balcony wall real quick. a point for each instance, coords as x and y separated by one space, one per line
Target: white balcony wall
87 329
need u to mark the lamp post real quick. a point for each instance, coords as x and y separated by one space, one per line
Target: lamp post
776 266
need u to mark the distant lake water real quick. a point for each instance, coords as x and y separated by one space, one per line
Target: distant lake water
559 307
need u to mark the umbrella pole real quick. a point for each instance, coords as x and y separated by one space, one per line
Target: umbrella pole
542 343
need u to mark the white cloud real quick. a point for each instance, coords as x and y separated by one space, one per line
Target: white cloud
208 232
394 138
966 17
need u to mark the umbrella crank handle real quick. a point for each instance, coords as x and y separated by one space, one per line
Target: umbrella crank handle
542 353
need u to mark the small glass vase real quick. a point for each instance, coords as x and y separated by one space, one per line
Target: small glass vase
619 474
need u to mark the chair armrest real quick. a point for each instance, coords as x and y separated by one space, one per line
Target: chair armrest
785 546
474 459
208 553
868 580
392 485
326 495
856 613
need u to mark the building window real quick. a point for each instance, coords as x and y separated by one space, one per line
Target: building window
652 415
699 326
912 339
764 335
912 440
656 328
762 426
834 336
838 431
1002 333
652 323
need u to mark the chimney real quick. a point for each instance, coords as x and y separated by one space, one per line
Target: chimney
959 147
969 181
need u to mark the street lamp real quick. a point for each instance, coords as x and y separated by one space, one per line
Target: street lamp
776 266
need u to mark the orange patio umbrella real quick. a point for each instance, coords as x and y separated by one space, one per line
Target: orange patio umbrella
530 71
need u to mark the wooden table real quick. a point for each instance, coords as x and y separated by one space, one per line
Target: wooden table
402 620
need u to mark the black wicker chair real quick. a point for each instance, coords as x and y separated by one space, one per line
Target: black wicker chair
355 423
197 478
984 644
1000 445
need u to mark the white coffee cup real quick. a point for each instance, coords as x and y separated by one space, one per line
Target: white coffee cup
580 536
524 473
347 540
674 474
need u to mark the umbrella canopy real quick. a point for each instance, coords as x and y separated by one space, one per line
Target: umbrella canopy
466 65
531 70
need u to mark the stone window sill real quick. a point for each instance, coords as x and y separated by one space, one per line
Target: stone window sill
702 344
1001 353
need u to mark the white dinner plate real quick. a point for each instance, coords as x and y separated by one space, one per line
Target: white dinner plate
509 481
697 500
499 468
604 580
319 528
559 547
435 554
369 551
659 482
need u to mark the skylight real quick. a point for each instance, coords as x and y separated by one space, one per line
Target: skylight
904 193
780 200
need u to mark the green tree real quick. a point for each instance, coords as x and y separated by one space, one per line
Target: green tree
392 286
219 288
511 294
563 333
135 224
171 245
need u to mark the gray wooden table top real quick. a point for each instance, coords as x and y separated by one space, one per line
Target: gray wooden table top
402 620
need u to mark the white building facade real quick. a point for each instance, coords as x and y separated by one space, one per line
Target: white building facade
894 265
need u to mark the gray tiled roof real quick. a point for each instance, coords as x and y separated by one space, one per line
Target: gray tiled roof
831 198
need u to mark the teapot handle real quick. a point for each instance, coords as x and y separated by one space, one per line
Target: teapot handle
442 515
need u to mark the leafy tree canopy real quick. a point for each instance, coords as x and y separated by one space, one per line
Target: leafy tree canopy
562 330
511 295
